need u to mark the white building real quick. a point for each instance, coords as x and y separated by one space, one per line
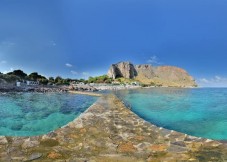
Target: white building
32 83
18 84
81 83
26 83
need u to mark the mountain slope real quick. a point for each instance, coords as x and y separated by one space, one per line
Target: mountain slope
147 74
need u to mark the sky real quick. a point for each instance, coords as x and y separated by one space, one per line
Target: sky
81 38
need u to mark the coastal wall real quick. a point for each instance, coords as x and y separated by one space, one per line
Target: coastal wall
86 93
108 131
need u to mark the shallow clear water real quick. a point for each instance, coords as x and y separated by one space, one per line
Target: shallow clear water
200 112
29 114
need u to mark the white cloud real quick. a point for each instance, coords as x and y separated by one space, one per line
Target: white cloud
7 44
218 78
52 43
85 73
68 65
3 62
204 80
74 72
216 81
154 60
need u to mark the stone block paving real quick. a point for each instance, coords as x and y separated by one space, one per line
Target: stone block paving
110 132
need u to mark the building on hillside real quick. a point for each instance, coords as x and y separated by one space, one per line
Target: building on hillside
32 83
116 83
18 84
26 83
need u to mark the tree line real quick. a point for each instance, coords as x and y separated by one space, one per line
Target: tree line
19 75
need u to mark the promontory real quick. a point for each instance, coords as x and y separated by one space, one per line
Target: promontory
169 76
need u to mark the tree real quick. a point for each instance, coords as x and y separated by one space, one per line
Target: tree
100 79
82 80
109 80
34 76
91 80
51 80
67 81
43 81
18 73
58 80
10 78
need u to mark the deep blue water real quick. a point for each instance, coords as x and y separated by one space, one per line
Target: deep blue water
200 112
29 114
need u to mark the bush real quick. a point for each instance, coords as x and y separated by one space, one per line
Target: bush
99 79
10 78
144 85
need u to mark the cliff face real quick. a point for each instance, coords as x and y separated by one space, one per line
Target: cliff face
147 74
122 69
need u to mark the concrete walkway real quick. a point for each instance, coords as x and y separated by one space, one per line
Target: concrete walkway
109 132
86 93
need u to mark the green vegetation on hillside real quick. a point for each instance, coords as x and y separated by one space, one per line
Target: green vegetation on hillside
8 78
19 75
100 79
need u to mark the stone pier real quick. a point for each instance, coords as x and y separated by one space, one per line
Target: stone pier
110 132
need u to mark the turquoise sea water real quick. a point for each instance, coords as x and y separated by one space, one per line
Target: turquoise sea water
29 114
200 112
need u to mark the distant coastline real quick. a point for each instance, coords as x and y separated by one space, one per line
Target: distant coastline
123 75
77 88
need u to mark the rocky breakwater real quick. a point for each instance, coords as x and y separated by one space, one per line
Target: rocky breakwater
7 87
108 131
152 75
39 89
82 87
47 89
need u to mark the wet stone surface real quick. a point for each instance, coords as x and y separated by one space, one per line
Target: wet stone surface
108 131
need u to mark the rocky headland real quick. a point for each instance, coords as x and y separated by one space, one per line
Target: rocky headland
169 76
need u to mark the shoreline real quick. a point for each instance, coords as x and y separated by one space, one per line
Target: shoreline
109 131
78 88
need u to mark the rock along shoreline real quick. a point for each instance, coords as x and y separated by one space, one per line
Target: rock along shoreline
108 131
